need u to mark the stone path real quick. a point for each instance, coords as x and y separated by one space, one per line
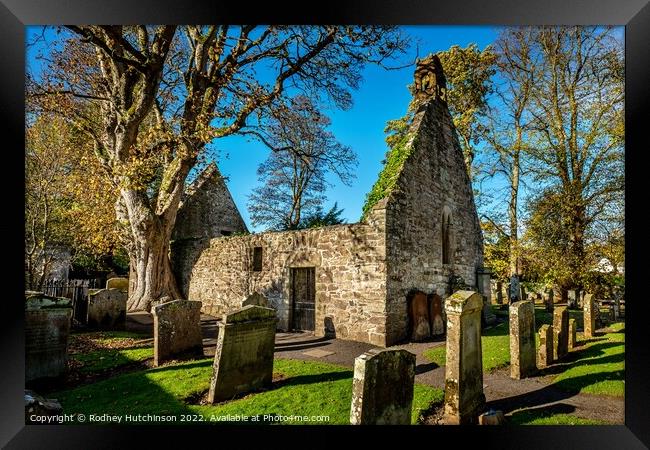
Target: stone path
501 391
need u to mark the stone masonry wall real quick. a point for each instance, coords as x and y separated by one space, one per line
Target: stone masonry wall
433 182
350 266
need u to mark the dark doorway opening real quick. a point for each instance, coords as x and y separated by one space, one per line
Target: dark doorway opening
303 299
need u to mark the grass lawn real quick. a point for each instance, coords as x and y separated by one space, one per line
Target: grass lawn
598 367
496 349
101 351
307 389
549 417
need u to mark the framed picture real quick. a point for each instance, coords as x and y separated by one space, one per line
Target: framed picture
370 214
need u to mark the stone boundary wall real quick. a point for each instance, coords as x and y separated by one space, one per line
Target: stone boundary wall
350 266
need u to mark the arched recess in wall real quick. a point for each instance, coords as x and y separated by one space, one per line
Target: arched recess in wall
446 240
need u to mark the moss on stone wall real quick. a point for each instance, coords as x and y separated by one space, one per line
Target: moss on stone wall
388 176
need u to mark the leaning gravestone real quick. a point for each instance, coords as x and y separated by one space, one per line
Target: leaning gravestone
522 339
176 330
118 283
255 299
560 332
435 315
464 397
382 389
573 333
243 360
545 351
47 327
107 309
589 312
419 317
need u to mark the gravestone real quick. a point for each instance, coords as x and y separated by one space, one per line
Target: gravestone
522 339
545 351
243 360
522 294
37 405
549 301
47 327
572 298
464 397
573 334
177 330
419 317
382 389
560 332
118 283
499 293
107 309
514 290
589 314
255 299
436 320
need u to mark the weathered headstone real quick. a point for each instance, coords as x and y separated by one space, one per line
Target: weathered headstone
47 327
545 351
382 389
522 294
549 301
436 315
107 309
499 293
255 299
419 317
522 339
572 296
589 312
560 332
514 290
177 330
118 283
491 418
464 397
243 360
573 334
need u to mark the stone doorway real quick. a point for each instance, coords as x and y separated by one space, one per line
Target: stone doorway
303 299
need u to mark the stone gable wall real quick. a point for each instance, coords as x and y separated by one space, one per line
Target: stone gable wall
350 265
433 179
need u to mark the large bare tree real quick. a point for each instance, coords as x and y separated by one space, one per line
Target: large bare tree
152 97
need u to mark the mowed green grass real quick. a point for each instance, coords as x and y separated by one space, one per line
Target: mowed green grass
307 389
599 367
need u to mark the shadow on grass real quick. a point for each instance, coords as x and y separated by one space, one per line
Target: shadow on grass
313 378
299 346
424 368
552 393
527 416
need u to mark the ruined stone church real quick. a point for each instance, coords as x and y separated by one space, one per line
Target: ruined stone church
351 281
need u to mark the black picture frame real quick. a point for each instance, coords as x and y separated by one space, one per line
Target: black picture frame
634 14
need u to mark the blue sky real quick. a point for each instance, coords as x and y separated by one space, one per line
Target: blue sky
383 95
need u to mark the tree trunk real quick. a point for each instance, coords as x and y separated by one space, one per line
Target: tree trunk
512 213
154 279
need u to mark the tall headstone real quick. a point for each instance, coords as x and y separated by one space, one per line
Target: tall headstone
419 317
118 283
464 397
382 389
522 339
560 332
243 360
47 327
177 330
573 334
484 288
514 290
589 311
107 309
545 351
499 293
436 319
572 296
550 301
